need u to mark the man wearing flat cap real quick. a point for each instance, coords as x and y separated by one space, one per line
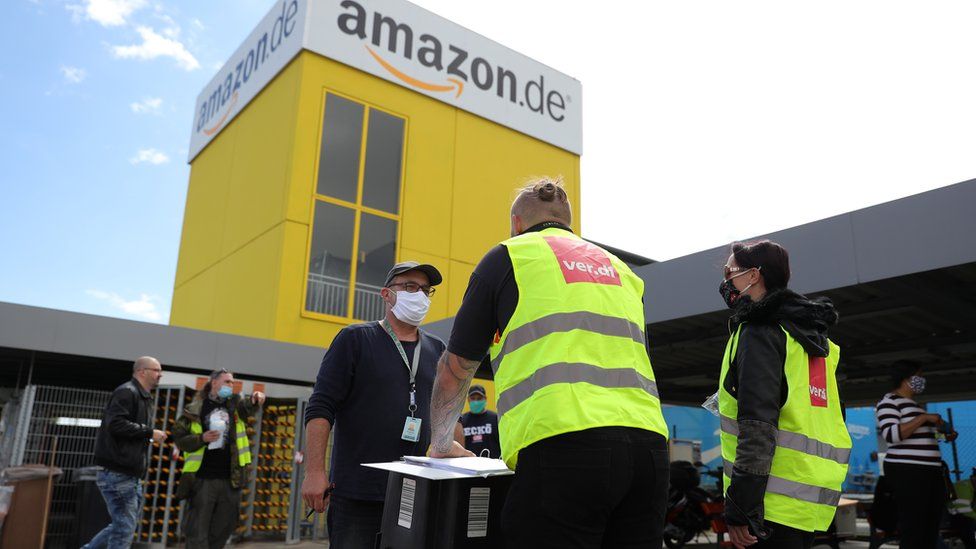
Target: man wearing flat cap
373 392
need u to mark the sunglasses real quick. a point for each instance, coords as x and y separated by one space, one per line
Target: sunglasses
736 271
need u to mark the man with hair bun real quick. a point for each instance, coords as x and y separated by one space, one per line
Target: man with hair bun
579 415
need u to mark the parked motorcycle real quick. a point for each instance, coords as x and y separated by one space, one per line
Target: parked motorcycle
692 510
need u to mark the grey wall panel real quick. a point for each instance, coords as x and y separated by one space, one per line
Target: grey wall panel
98 336
821 257
256 357
684 286
49 330
821 254
25 327
928 231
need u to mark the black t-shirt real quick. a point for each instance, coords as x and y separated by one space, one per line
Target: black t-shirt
216 462
362 389
489 301
481 432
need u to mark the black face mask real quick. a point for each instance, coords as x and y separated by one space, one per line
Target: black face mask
730 294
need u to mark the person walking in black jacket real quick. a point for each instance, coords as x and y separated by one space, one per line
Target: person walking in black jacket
120 449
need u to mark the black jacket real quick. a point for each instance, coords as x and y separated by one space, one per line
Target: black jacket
125 432
755 378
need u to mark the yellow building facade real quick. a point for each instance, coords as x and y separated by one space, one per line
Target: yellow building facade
339 161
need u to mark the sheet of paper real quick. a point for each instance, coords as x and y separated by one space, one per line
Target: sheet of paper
472 465
417 470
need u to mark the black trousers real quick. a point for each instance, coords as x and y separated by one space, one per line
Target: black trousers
785 537
353 523
604 487
920 495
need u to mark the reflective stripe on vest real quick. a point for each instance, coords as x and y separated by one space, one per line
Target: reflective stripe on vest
795 490
572 357
813 446
565 322
193 460
963 504
798 442
610 378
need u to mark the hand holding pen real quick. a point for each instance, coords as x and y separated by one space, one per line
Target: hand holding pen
325 497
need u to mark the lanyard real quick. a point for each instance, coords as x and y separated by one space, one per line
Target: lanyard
411 368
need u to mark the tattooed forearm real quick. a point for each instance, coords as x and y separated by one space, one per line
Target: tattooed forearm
454 374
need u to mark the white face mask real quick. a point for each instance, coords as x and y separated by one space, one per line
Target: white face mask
411 307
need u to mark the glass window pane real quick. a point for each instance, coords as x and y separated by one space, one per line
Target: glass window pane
342 134
330 258
377 249
384 156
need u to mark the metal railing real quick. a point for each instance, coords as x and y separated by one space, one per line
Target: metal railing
330 295
161 516
73 417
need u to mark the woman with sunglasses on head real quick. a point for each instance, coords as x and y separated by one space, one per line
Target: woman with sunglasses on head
784 443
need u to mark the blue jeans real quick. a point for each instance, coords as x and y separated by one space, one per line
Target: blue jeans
122 494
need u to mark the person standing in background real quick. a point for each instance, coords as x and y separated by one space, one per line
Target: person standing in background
212 434
913 461
480 425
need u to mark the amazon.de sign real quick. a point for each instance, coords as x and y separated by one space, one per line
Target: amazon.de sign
406 45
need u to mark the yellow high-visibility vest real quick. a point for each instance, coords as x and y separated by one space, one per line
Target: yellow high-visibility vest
813 446
193 460
573 355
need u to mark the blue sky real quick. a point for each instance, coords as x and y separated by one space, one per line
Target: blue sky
96 99
790 112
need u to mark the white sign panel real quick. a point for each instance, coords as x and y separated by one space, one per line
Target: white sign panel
409 46
414 48
270 46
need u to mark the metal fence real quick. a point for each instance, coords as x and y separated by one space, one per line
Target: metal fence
161 515
329 295
72 416
961 455
271 506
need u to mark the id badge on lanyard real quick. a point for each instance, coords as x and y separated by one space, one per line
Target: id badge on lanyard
411 426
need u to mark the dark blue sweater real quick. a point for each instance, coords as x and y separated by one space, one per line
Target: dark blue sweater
363 390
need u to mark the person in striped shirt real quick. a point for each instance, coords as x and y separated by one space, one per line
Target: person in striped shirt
913 462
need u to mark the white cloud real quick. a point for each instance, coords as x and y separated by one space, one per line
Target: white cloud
146 307
156 45
73 75
197 24
149 105
108 13
149 156
172 30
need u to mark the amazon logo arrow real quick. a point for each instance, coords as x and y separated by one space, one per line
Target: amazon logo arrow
404 77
